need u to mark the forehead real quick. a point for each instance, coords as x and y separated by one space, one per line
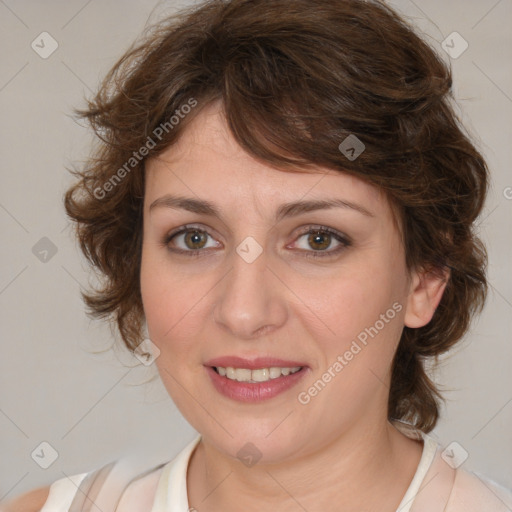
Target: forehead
207 162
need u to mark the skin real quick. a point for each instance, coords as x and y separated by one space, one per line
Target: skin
286 305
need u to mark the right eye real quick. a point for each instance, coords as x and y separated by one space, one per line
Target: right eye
193 240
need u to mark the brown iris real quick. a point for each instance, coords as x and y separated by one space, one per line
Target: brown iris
316 237
195 237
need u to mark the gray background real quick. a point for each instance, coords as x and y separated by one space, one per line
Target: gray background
60 382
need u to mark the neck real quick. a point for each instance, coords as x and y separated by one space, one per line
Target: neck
368 469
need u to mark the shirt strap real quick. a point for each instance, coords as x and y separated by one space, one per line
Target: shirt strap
88 490
102 489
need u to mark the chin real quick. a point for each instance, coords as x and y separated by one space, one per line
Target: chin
266 440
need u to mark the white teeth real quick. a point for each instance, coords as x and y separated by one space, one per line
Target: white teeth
242 374
275 372
259 375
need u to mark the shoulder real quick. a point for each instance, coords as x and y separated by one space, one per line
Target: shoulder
475 492
31 501
126 482
134 492
140 493
451 488
56 497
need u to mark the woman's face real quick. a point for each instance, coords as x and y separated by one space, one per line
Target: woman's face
253 296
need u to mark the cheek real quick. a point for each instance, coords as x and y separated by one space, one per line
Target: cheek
357 300
174 304
171 310
364 312
157 300
164 297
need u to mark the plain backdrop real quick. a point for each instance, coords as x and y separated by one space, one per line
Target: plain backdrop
60 383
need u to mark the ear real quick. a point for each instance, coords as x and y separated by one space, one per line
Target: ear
425 292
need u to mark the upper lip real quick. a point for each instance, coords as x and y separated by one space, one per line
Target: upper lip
252 364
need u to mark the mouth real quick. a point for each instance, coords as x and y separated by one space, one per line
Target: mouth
254 380
258 375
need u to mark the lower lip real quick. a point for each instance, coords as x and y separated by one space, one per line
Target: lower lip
257 391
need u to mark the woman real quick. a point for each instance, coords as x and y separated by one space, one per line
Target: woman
285 200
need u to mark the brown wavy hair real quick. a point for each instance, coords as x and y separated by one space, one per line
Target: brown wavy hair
295 78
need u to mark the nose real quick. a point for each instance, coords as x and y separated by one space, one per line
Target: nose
251 300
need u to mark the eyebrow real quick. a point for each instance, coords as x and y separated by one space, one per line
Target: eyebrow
291 209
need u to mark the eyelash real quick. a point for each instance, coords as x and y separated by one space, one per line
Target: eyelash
345 242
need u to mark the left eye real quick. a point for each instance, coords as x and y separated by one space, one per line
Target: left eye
318 238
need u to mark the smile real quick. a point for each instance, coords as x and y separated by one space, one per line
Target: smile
255 384
257 375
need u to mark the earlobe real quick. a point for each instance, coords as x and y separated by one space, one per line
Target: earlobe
425 293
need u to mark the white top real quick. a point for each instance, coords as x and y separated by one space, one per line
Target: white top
435 487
